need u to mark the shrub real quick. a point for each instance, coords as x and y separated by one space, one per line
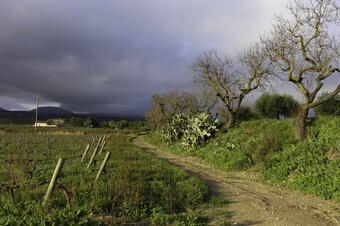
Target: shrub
112 124
89 122
330 107
103 124
173 130
192 131
199 129
245 113
76 121
122 124
273 105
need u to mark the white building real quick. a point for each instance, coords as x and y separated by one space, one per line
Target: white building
43 124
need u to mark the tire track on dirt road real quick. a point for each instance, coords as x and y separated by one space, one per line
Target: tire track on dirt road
254 203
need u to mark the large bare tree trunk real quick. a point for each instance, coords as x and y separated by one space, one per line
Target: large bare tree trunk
300 124
230 120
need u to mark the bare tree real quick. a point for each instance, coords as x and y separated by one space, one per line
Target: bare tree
304 51
230 82
157 114
164 106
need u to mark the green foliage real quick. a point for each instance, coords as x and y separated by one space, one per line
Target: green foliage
307 166
103 124
122 124
245 113
136 124
191 131
273 105
112 124
89 122
330 107
199 128
173 130
75 121
50 122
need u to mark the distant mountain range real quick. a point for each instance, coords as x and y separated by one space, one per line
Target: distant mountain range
52 111
45 113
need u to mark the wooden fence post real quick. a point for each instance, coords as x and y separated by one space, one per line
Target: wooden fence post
54 180
94 154
101 149
85 152
103 165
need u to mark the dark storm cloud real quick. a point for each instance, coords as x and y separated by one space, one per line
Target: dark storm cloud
113 55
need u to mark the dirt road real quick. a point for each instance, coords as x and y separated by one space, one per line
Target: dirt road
254 203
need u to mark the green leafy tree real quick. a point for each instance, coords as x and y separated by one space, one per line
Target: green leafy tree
89 122
245 113
330 107
103 124
122 124
112 124
76 121
273 105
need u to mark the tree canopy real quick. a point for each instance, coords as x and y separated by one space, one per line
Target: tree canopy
272 106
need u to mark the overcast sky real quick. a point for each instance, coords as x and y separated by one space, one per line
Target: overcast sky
112 55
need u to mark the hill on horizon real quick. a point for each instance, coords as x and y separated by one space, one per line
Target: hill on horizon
53 111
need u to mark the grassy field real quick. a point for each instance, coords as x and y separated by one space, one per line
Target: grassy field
135 186
269 147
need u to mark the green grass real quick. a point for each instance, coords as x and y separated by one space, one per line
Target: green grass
136 187
312 166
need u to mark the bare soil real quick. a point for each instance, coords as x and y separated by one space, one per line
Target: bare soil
252 202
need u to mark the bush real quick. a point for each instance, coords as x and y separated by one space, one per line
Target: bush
75 121
112 124
122 124
103 124
89 122
172 131
245 113
192 131
199 129
330 107
273 105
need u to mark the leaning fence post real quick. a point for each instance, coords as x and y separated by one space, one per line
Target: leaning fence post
85 152
93 155
107 156
53 180
103 140
103 145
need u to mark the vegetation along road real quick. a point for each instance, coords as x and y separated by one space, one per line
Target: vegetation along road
252 202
